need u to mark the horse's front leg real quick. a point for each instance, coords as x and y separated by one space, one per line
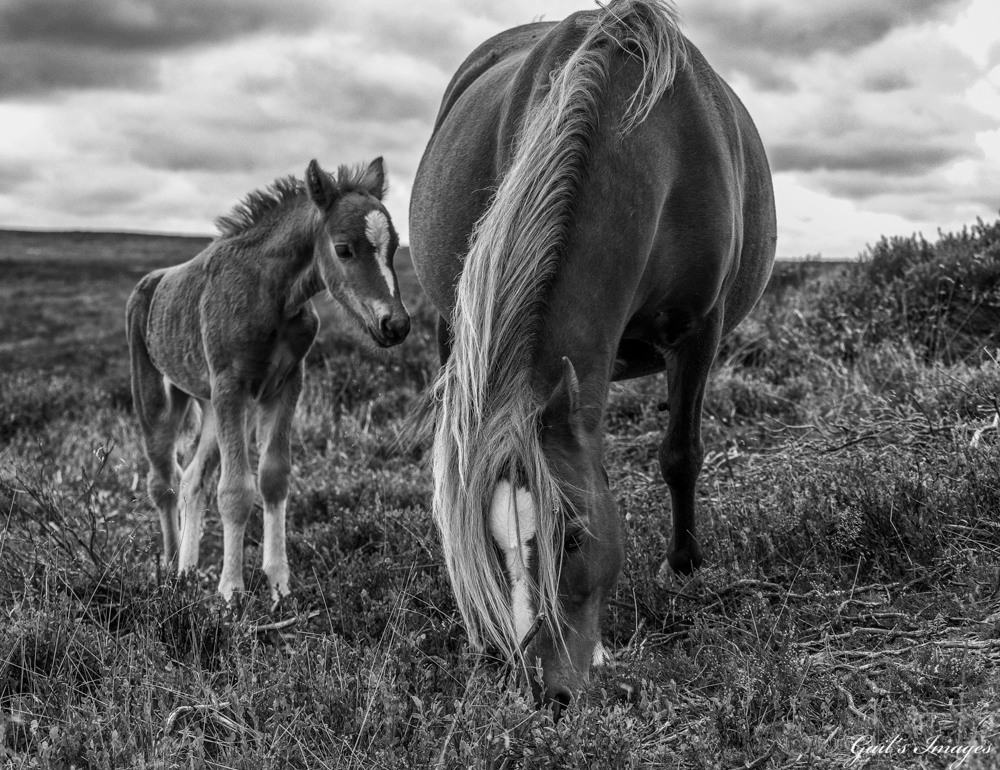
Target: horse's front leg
274 433
236 483
682 450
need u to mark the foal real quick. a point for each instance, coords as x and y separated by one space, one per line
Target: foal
231 327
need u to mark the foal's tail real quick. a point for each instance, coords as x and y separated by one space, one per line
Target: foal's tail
143 372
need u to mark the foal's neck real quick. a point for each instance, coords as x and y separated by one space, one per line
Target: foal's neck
293 246
306 284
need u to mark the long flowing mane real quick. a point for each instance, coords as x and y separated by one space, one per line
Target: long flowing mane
262 206
487 426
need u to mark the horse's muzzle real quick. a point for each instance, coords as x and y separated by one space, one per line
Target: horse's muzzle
392 329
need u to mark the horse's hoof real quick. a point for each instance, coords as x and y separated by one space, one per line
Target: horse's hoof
684 561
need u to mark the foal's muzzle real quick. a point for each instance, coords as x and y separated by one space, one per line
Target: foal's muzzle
392 329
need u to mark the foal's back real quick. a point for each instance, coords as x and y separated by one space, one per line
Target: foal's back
213 312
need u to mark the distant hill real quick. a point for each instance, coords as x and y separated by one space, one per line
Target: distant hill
129 251
134 249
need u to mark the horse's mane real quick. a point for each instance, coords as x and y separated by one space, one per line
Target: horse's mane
262 206
487 427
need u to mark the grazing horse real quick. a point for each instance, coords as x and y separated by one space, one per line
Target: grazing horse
594 205
231 327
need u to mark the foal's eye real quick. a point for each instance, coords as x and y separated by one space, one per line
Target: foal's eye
343 251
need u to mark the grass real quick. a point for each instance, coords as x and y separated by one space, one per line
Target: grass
851 597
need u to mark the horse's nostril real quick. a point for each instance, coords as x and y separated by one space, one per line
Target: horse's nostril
394 330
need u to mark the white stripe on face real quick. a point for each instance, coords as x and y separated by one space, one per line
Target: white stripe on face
512 522
377 232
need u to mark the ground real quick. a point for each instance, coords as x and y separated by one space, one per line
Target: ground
848 613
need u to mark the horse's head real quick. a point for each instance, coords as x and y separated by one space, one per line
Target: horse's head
355 247
589 559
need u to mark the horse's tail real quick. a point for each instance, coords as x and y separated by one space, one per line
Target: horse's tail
487 426
144 373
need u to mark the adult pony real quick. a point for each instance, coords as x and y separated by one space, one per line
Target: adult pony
594 205
231 327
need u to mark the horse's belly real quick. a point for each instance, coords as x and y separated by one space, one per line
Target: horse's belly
174 339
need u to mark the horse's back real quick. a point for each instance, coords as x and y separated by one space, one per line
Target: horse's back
683 203
474 136
502 47
707 188
748 195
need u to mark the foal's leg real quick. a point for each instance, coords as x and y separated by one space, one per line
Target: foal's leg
274 435
162 410
682 450
193 500
236 483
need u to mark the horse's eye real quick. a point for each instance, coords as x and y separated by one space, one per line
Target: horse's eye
574 541
343 251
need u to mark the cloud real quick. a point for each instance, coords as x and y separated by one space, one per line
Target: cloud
151 25
759 37
885 81
14 173
40 69
161 114
878 155
441 39
61 45
883 127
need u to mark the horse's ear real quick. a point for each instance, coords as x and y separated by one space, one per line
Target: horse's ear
561 415
321 187
373 180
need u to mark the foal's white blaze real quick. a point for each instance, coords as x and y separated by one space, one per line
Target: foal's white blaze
512 522
377 232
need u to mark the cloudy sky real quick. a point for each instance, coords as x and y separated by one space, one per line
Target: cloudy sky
879 116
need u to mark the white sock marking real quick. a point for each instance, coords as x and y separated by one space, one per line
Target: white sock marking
275 554
512 522
377 232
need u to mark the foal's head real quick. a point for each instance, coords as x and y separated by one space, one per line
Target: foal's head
354 248
589 556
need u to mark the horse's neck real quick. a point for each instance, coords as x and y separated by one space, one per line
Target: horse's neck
304 286
291 247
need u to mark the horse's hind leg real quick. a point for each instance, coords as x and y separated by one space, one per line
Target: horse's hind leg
274 435
162 409
236 487
193 500
682 450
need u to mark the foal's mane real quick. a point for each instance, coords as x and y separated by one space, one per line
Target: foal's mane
264 205
487 427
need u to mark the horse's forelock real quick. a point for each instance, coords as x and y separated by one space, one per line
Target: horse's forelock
356 178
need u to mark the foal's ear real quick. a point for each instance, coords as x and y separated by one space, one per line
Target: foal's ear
561 415
321 187
373 180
